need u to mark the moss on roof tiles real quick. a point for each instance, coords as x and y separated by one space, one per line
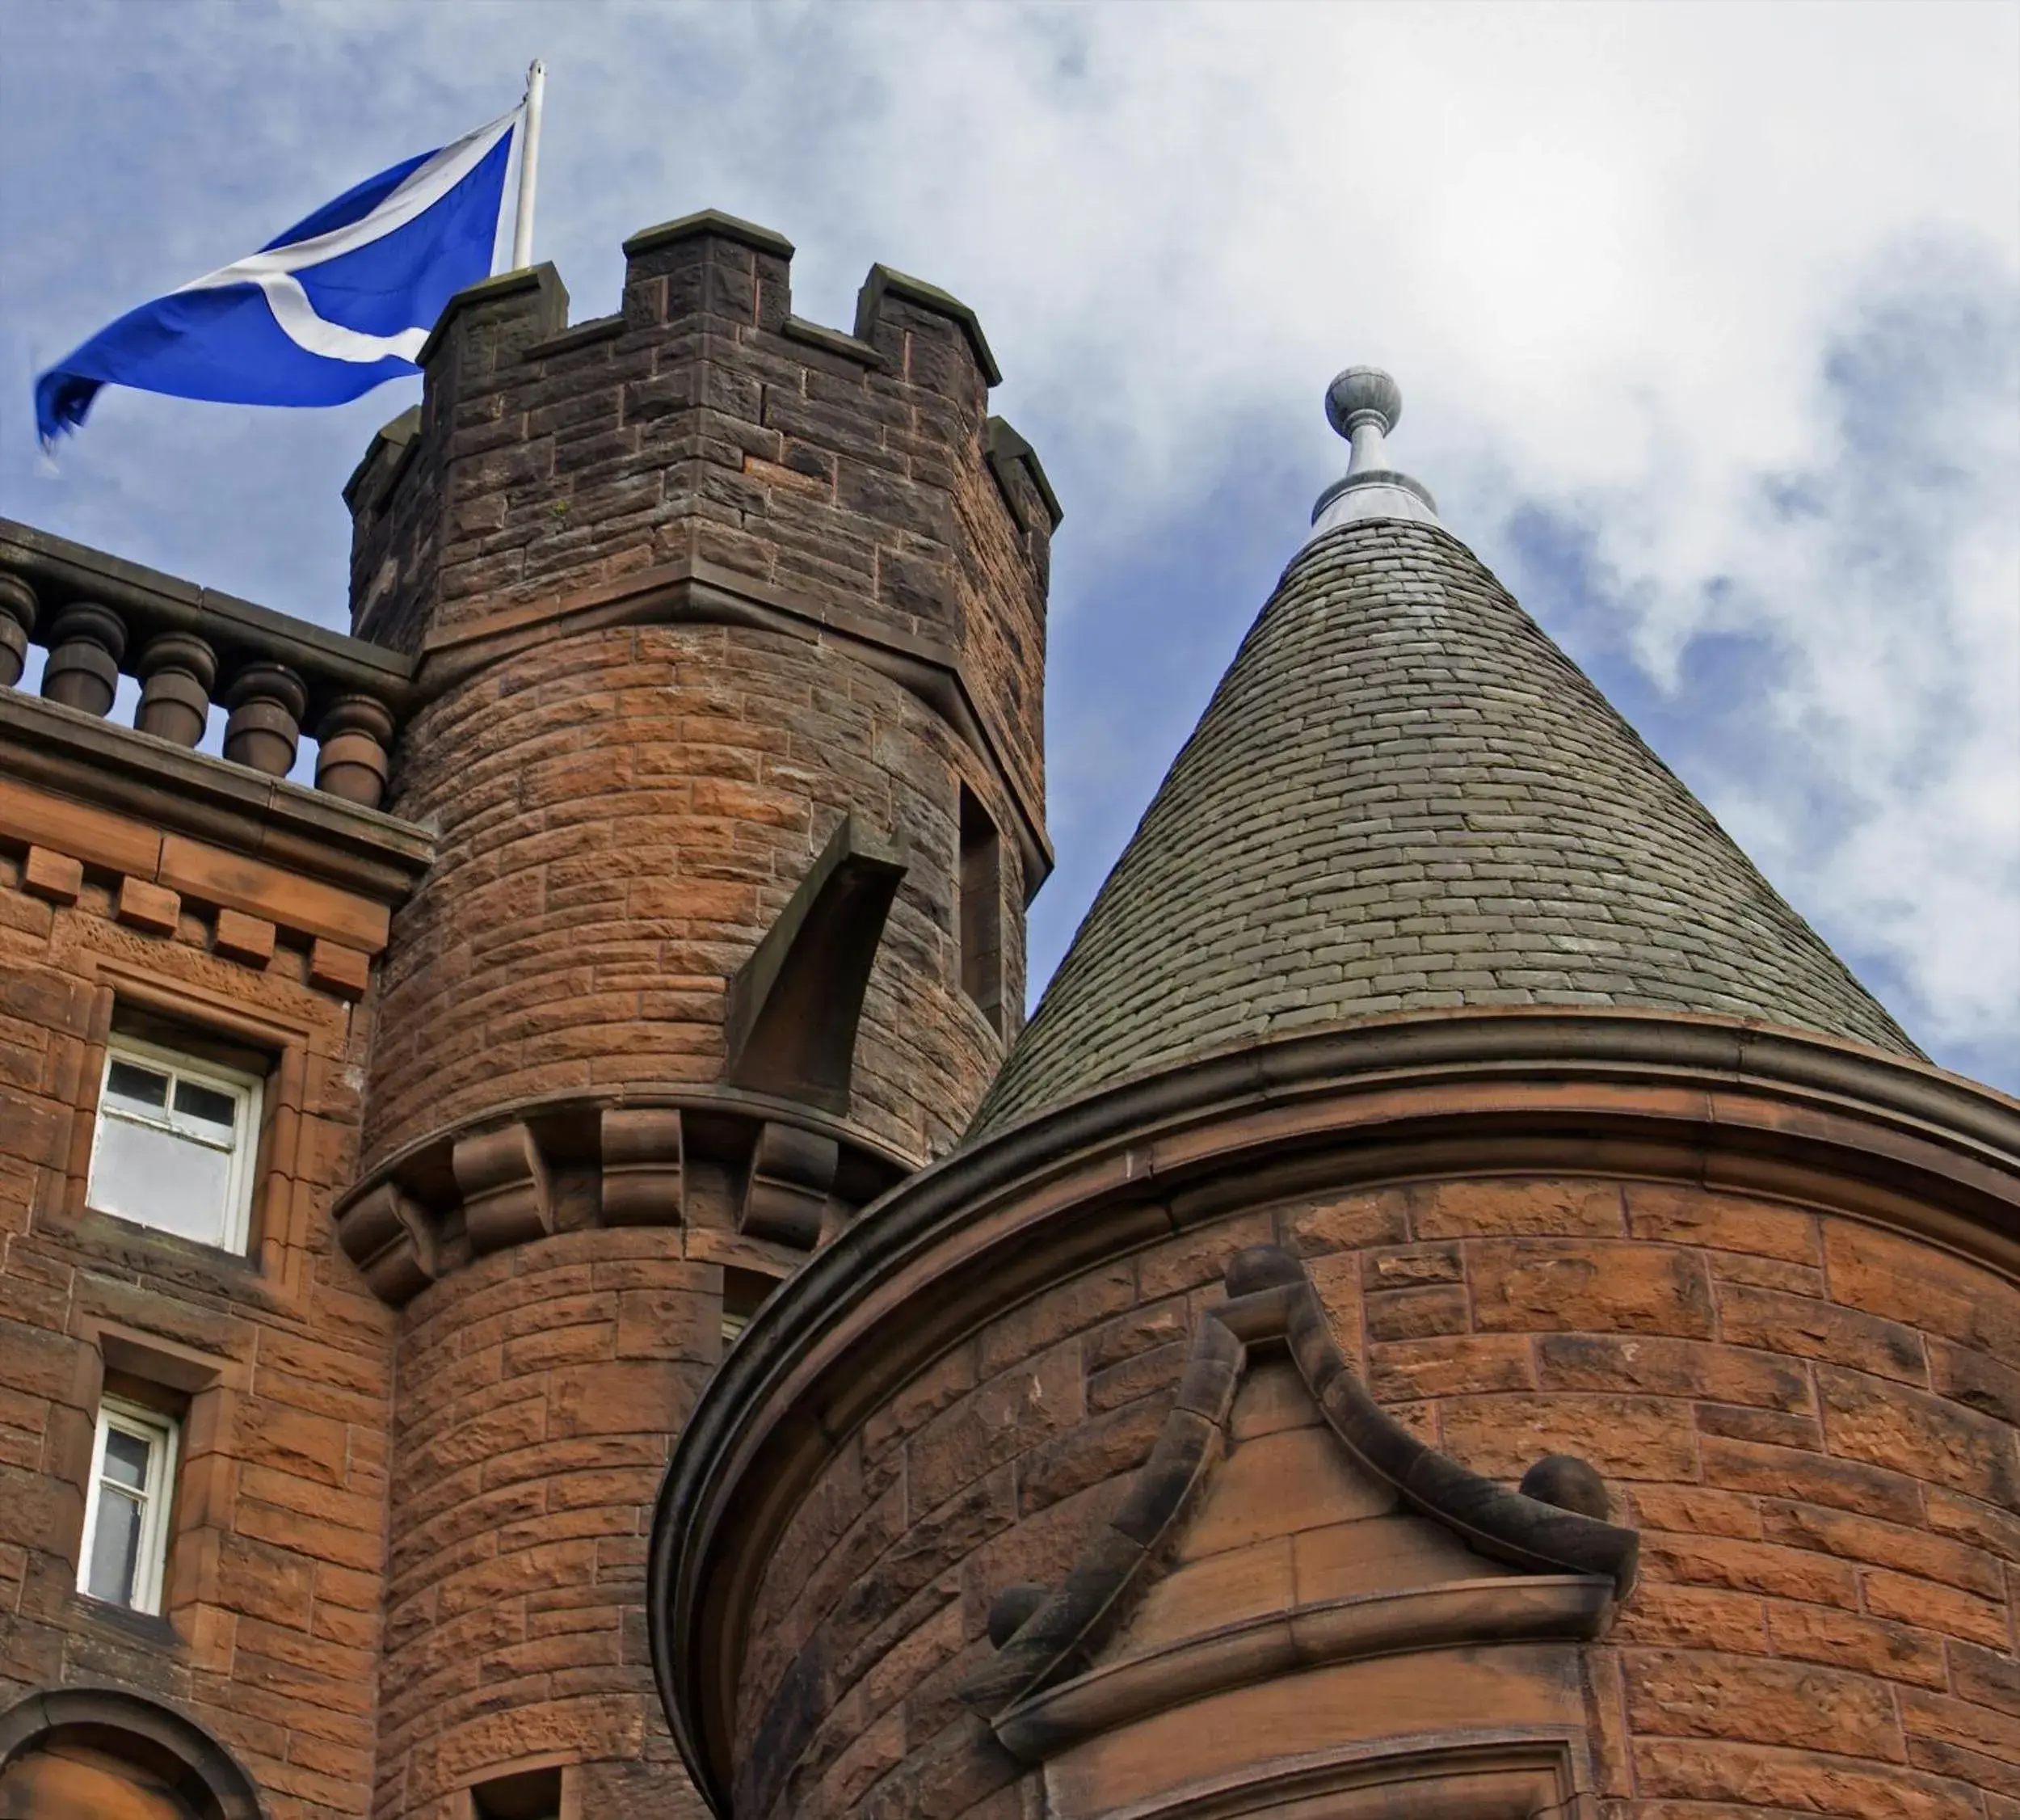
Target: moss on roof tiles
1404 796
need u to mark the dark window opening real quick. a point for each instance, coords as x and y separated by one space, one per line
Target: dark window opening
743 1294
981 893
533 1794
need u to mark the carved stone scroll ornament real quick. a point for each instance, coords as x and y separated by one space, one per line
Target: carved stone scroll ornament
1037 1692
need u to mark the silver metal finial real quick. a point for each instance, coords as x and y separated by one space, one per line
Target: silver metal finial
1363 404
1362 395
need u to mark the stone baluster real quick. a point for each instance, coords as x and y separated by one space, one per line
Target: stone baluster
86 642
177 670
350 759
266 701
17 608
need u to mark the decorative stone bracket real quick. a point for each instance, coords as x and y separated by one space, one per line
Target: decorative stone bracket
389 1238
642 1157
785 1194
507 1197
1039 1693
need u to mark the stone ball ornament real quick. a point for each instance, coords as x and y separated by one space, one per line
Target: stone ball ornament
1363 395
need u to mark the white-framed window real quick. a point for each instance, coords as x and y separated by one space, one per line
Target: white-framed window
175 1143
126 1510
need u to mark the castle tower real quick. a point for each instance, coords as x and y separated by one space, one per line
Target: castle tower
727 632
1458 1303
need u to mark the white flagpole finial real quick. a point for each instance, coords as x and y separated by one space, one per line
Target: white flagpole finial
528 166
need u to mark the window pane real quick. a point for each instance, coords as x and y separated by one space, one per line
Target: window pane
162 1180
116 1547
142 1088
126 1459
193 1100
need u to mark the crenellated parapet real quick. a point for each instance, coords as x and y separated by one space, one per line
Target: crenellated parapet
705 454
684 589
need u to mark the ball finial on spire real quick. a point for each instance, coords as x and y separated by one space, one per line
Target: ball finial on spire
1363 395
1364 404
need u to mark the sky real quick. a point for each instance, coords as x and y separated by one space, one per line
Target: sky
1706 319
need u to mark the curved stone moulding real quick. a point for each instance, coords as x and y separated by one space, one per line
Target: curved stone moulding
1040 1695
205 1774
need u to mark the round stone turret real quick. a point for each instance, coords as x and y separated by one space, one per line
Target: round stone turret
1573 1205
729 631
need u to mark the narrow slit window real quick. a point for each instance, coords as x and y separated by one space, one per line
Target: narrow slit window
981 892
175 1143
126 1507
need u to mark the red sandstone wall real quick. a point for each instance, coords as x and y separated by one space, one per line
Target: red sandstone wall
541 1388
274 1573
1811 1421
621 816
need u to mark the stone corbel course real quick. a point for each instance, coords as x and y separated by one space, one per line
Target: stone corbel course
467 1191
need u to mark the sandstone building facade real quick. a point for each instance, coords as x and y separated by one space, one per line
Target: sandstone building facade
1458 1305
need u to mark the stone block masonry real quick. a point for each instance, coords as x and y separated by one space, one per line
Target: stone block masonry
541 1391
996 1511
280 1364
695 646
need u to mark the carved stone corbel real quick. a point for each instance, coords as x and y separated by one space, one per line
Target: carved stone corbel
642 1159
388 1236
507 1198
785 1194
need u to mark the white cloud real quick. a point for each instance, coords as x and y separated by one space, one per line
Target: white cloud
1611 252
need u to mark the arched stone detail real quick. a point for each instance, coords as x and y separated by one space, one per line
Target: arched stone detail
200 1771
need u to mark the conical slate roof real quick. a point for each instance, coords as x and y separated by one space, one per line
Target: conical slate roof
1404 796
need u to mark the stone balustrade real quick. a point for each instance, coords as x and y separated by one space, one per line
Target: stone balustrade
99 618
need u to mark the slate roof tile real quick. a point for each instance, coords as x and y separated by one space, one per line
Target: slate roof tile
1404 796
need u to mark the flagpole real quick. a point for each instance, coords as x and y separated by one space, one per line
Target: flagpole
528 166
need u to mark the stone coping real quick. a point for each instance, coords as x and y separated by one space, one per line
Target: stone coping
175 791
61 571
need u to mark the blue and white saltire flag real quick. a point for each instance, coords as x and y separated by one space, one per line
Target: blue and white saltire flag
341 302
